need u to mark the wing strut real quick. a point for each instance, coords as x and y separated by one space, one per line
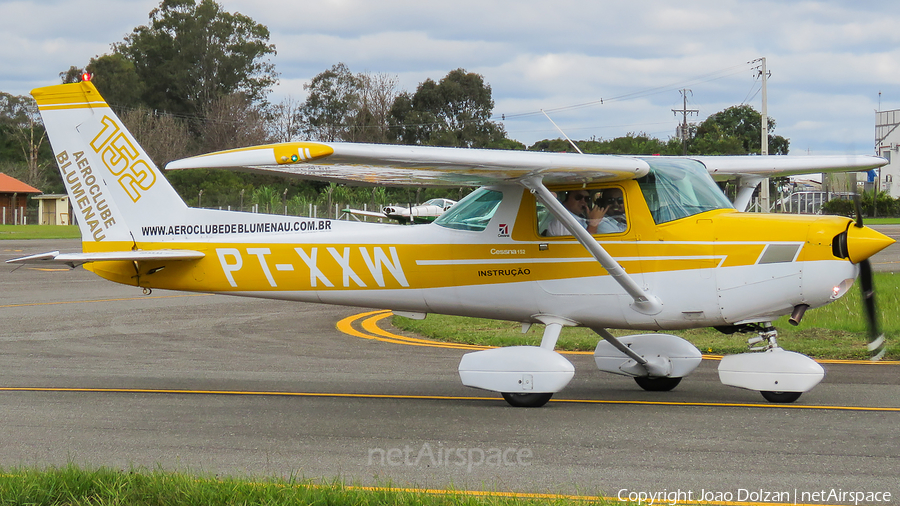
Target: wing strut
644 303
746 186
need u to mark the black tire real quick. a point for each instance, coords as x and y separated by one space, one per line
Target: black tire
656 384
781 397
527 400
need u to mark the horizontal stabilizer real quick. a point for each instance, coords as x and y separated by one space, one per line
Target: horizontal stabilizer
75 259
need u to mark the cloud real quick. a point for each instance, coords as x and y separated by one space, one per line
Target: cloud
828 59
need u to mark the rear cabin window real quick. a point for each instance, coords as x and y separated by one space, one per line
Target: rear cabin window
579 203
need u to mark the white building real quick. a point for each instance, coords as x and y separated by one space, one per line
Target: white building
887 145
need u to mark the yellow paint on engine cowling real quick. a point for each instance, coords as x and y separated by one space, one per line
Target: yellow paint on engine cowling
863 242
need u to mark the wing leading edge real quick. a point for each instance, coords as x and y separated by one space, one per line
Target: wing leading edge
729 167
390 164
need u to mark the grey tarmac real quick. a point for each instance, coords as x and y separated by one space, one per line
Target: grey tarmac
247 373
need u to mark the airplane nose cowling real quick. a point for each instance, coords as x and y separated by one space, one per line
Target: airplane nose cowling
863 242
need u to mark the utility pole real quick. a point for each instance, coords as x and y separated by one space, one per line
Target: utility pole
764 140
765 110
684 124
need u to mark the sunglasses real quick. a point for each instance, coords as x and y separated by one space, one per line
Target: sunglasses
582 197
618 200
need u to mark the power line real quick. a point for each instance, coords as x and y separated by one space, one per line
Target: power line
704 78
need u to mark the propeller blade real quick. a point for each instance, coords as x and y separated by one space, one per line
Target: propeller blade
876 337
858 206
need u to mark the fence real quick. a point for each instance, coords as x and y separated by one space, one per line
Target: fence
17 216
800 202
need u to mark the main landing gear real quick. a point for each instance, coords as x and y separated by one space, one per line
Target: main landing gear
657 362
526 376
652 384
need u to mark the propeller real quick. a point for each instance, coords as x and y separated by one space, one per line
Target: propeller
876 344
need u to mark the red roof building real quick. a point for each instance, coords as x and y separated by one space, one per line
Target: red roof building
13 197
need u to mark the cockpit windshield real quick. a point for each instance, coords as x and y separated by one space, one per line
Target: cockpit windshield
676 188
473 212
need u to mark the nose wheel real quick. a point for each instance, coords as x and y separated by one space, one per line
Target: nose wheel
781 397
535 400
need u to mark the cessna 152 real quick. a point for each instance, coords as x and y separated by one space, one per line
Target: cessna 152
422 213
680 255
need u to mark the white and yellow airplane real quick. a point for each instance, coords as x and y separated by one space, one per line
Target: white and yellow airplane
682 257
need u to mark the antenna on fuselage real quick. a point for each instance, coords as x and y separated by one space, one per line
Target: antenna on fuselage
561 131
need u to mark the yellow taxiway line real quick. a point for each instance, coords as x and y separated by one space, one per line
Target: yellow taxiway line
261 393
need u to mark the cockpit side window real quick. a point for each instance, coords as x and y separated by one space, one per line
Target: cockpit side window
473 212
585 204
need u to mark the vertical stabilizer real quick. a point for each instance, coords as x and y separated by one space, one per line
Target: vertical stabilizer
112 184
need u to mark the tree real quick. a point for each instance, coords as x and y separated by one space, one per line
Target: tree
331 104
375 97
630 144
454 112
736 131
22 139
117 80
286 120
342 106
232 121
194 53
163 136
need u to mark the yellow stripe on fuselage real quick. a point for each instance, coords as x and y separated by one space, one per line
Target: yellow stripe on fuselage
345 266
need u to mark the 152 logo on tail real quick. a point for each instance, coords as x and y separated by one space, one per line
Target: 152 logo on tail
122 159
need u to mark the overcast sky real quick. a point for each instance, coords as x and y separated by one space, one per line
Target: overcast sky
828 60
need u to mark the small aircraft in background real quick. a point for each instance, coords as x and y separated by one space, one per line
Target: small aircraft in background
421 213
678 256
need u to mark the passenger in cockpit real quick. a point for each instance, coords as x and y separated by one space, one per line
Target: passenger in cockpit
578 203
614 218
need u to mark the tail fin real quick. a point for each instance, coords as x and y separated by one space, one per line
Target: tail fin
113 185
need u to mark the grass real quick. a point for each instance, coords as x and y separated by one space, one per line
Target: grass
835 331
39 232
139 487
880 221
